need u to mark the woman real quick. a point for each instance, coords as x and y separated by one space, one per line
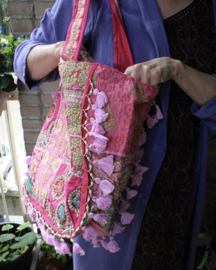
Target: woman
159 32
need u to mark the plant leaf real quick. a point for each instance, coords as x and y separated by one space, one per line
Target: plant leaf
23 226
4 249
13 255
24 240
23 249
2 257
7 50
7 227
8 38
6 237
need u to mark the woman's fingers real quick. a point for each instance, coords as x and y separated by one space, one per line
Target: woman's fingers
154 72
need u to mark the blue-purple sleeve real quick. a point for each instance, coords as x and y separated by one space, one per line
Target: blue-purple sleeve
53 28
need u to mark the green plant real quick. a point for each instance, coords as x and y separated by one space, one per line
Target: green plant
51 252
8 45
14 245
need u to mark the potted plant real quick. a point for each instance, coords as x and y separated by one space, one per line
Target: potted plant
53 259
16 244
8 46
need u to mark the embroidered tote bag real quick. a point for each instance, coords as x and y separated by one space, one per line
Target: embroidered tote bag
86 149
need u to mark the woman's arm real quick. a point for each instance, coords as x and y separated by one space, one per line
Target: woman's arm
197 85
43 59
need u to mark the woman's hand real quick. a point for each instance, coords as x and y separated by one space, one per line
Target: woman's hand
155 71
199 86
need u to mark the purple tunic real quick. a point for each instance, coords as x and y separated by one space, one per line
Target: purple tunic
147 38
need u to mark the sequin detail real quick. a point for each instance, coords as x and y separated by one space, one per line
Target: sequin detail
58 187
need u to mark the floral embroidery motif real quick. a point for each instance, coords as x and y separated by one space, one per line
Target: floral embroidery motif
69 81
69 69
61 215
56 165
80 173
74 200
83 78
58 187
78 158
138 91
110 123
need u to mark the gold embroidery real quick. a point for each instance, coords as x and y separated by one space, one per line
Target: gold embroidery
82 78
110 123
72 99
73 109
138 91
69 81
78 158
76 142
73 92
69 69
77 172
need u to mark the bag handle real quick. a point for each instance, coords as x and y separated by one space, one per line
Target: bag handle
122 52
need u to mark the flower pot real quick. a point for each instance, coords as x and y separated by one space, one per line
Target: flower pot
23 261
48 263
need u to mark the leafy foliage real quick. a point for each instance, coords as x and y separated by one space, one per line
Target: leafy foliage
50 250
11 245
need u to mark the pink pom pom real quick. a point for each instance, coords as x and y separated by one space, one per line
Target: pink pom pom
28 160
26 174
117 228
139 155
78 249
96 91
89 233
101 100
126 217
25 200
159 114
100 115
124 205
106 187
96 127
131 193
53 94
113 246
95 243
142 138
104 243
99 143
137 175
101 218
105 164
31 213
104 202
151 121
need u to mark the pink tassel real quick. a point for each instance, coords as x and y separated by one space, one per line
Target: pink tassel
139 155
104 202
113 246
105 186
89 233
126 217
31 213
151 121
53 94
101 101
137 175
124 205
25 200
159 114
99 143
78 249
101 218
131 193
95 243
105 164
117 228
142 139
26 174
104 243
28 160
96 91
96 127
100 115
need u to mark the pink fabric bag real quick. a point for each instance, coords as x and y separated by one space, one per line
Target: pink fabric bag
87 147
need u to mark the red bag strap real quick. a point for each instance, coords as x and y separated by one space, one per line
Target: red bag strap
122 52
